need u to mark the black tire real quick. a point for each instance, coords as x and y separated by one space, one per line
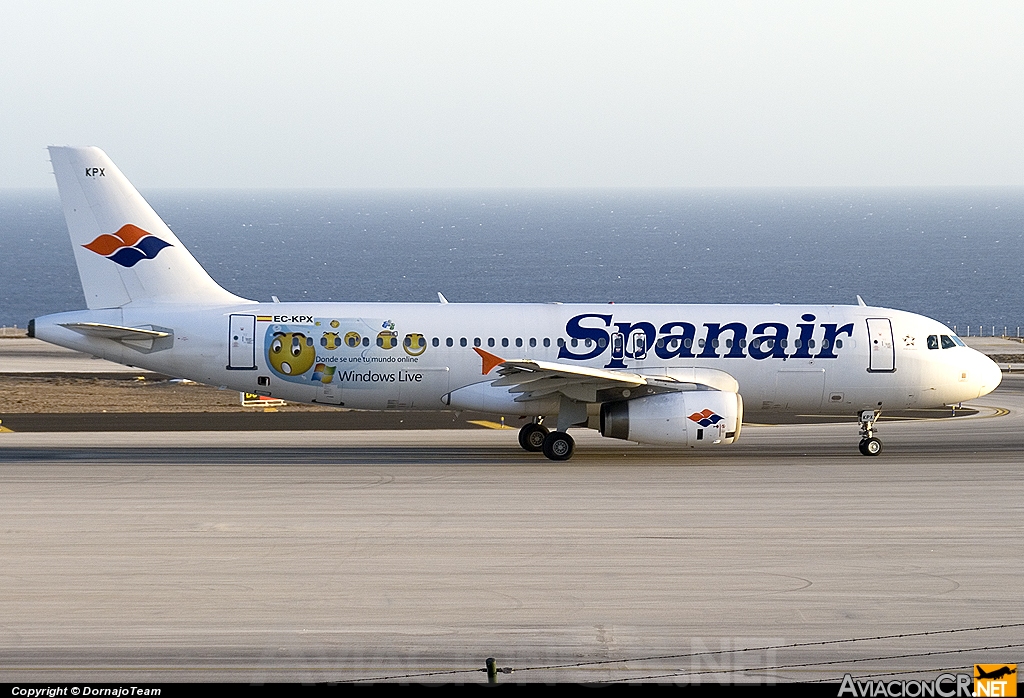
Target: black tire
531 437
871 447
559 446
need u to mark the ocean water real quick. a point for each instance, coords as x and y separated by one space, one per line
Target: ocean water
952 254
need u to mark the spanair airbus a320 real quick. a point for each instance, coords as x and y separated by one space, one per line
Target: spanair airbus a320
676 375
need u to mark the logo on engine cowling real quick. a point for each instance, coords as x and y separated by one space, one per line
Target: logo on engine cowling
706 418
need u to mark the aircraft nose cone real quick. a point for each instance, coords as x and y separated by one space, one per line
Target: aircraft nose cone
987 375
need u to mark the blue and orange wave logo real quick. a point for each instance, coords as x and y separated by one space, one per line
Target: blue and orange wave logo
705 418
128 246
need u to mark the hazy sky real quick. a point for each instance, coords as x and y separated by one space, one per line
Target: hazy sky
534 94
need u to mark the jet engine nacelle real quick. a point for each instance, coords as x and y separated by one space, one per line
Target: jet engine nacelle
694 418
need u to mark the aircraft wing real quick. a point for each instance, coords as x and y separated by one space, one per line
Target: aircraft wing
534 380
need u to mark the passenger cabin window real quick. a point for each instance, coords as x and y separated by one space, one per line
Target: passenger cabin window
519 341
547 342
947 343
463 342
933 341
436 342
451 342
533 341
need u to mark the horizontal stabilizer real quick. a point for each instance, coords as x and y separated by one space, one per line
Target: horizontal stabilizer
115 332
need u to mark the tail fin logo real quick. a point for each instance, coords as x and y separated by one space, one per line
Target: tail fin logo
128 246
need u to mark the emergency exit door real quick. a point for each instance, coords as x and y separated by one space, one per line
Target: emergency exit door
242 342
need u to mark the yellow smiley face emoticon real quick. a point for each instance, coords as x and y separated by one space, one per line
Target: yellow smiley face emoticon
291 353
414 344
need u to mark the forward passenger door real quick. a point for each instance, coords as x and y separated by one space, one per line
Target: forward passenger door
882 356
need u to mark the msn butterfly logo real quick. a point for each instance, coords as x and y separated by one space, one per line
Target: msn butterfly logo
705 418
128 246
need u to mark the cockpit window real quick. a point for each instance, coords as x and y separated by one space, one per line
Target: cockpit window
947 343
959 342
933 341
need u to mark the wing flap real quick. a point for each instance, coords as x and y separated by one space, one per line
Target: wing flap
550 368
536 380
530 380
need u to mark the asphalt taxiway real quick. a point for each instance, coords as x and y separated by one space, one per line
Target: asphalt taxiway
414 555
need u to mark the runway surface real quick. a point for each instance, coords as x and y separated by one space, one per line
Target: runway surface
396 555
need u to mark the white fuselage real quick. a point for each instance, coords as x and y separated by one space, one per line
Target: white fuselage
676 375
787 359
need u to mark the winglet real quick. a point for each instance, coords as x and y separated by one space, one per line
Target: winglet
489 361
860 301
441 299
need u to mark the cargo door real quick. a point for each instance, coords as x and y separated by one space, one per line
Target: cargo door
882 349
242 342
799 389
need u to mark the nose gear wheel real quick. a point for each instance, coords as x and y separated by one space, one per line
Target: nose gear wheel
870 445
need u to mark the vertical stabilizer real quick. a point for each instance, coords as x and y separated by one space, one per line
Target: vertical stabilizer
125 253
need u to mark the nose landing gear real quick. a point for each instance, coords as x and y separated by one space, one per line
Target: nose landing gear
870 445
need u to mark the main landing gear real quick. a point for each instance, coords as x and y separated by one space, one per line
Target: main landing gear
870 445
556 445
531 437
559 446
